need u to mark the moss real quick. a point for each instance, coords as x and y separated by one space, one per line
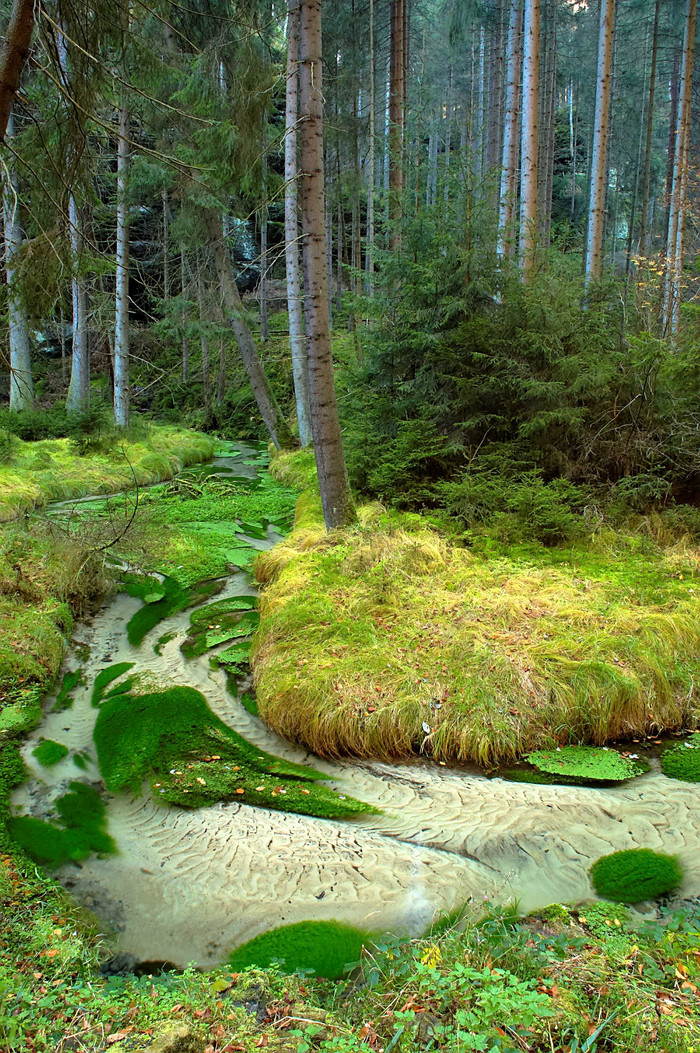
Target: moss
176 598
143 586
49 752
162 641
64 698
231 626
322 948
79 831
682 761
249 703
636 874
373 634
192 758
234 660
105 677
587 764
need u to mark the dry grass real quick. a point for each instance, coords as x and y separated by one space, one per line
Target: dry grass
52 470
370 635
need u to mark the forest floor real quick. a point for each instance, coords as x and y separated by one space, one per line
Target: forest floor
565 980
389 639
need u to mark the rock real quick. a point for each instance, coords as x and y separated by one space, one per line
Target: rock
172 1038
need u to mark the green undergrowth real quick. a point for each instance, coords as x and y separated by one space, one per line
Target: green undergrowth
107 676
635 875
387 639
191 758
49 752
682 761
586 764
55 469
318 948
79 830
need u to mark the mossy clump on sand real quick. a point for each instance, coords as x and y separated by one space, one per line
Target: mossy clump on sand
682 761
49 752
594 764
144 587
64 699
386 639
220 622
635 875
79 831
107 676
176 598
321 948
191 758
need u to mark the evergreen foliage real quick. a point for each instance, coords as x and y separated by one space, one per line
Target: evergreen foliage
635 875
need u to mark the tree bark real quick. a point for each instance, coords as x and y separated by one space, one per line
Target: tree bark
645 231
79 387
206 381
506 234
14 56
676 222
21 383
338 509
396 117
599 167
529 139
121 324
266 402
369 250
291 230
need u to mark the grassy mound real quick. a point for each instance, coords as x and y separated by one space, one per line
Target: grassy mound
192 758
683 760
49 752
54 469
385 639
586 764
635 875
322 948
80 830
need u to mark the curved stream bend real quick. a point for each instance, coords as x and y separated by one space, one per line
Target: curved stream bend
191 885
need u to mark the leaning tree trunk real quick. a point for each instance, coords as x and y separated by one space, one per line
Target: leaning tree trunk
529 139
338 509
291 230
21 383
599 166
506 239
676 220
267 404
121 325
14 56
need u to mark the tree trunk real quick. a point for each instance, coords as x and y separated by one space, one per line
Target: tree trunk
79 388
645 229
221 383
529 139
599 167
206 381
672 131
369 249
291 230
14 56
121 323
264 329
183 317
338 509
166 253
21 383
676 223
506 234
396 117
266 402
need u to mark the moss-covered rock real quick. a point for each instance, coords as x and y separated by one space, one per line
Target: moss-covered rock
682 761
323 948
169 1038
635 875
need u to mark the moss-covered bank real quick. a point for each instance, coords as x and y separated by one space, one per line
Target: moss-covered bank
387 639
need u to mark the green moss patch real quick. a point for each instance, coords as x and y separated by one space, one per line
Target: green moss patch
208 634
176 598
587 764
192 758
105 677
64 698
49 752
635 875
322 948
79 831
143 586
682 761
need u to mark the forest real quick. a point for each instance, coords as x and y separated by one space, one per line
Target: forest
349 526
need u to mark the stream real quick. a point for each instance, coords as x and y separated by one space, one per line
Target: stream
191 885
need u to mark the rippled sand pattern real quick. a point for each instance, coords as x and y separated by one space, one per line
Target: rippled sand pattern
191 885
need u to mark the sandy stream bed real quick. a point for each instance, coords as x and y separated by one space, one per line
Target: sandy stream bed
191 885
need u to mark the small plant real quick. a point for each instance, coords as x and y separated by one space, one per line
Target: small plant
587 763
682 761
636 874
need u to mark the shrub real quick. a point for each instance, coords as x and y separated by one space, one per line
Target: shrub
635 875
324 948
682 761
